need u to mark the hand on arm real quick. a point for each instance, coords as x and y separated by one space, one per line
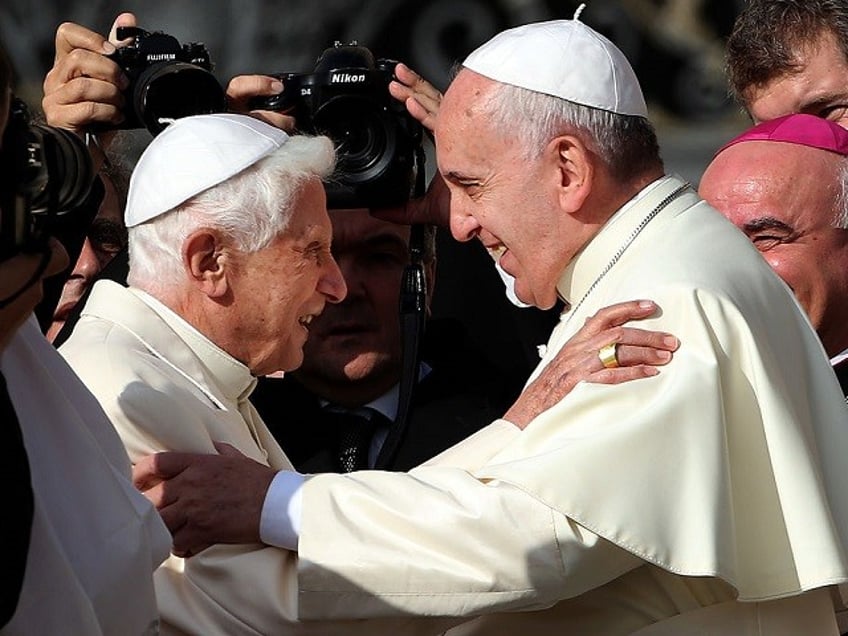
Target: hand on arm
205 499
638 352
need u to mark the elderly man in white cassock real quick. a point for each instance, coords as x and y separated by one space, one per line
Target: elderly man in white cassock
708 498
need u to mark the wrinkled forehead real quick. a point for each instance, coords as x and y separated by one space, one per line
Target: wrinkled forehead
465 102
776 179
465 129
812 80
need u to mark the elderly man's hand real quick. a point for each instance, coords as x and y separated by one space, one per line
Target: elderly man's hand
84 87
243 88
205 499
637 353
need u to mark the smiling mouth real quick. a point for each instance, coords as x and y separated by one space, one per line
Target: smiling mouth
496 250
304 321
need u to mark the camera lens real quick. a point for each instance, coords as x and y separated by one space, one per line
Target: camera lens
69 170
45 171
168 91
364 134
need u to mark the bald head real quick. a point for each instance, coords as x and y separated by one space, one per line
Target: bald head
789 199
766 179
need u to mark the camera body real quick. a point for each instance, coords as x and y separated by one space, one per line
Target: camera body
44 172
378 142
168 80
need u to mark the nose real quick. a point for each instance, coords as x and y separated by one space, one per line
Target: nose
464 226
87 265
332 284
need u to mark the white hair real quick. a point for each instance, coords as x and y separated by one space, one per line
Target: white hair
250 209
627 144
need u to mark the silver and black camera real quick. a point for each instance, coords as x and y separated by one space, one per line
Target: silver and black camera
167 80
44 172
346 98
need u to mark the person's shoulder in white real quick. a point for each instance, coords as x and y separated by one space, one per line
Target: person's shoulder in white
95 540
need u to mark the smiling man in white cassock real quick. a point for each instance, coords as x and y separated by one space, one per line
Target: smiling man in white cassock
706 499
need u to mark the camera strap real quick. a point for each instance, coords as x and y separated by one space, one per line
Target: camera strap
413 309
413 316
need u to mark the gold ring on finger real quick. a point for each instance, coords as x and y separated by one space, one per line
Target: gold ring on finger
608 357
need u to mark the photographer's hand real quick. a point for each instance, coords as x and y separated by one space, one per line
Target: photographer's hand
421 98
84 87
243 88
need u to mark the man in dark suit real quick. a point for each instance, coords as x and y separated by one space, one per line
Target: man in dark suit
353 364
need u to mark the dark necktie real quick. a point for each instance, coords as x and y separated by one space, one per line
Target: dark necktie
354 432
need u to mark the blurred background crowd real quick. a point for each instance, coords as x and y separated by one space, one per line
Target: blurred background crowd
676 46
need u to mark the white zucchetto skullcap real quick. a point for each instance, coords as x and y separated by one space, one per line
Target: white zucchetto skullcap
192 155
565 59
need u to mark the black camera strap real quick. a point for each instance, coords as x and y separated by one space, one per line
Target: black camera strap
413 316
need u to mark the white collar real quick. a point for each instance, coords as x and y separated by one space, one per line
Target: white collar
841 357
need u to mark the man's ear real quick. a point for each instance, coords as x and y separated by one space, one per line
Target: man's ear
575 171
206 262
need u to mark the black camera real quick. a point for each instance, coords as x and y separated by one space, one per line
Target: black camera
347 99
167 80
44 171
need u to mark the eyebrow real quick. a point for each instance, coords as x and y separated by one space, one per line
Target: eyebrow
458 176
826 99
107 231
766 223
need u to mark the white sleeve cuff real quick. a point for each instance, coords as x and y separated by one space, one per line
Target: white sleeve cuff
282 511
